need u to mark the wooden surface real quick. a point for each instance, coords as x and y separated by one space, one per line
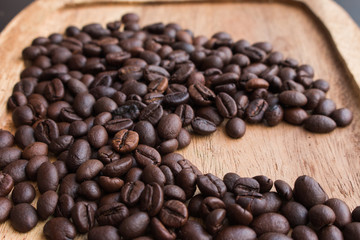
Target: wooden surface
319 33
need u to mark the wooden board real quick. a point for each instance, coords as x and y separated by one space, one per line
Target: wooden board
319 33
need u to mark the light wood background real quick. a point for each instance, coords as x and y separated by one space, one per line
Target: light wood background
319 33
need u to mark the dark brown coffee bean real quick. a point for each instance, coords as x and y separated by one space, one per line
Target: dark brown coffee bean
118 168
356 214
153 173
325 107
330 232
35 149
111 214
6 139
201 95
245 185
351 231
5 209
265 183
321 84
211 185
176 98
230 179
341 210
238 215
46 204
211 114
255 111
64 206
69 186
23 217
270 222
47 177
321 215
8 155
83 216
160 231
79 153
215 220
309 192
273 115
107 155
24 136
23 192
186 114
295 116
134 226
253 201
292 98
89 170
152 199
202 126
173 214
235 128
342 116
303 232
295 213
319 124
152 113
125 141
233 232
169 126
115 125
59 228
6 184
97 136
146 155
103 233
226 105
61 144
16 170
284 189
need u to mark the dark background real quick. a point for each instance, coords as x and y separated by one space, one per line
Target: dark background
9 8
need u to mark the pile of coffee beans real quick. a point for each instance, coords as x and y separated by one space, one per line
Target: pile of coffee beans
113 104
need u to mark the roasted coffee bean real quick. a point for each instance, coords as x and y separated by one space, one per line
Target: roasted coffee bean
255 111
152 199
295 213
103 233
270 222
110 184
321 215
230 179
226 105
321 84
131 192
89 170
211 185
134 226
152 113
295 116
97 136
319 124
146 155
274 115
147 134
351 231
5 209
254 202
160 231
83 216
6 184
265 183
325 107
241 232
292 98
309 192
64 206
115 125
69 185
235 128
61 144
23 217
211 114
202 126
23 192
107 155
330 232
215 220
35 149
153 173
303 232
273 200
169 126
16 170
245 185
356 214
284 189
173 214
78 129
6 139
8 155
314 96
342 116
183 139
125 141
341 210
111 214
24 136
186 114
46 204
79 153
59 228
47 177
238 215
201 95
117 168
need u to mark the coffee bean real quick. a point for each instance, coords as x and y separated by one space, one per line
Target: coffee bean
201 95
61 144
23 217
83 216
173 214
8 155
88 170
46 204
238 215
351 231
356 214
64 206
321 215
6 184
295 116
211 114
245 185
215 220
202 126
273 115
319 124
255 111
134 226
235 128
153 173
330 232
325 107
270 222
226 105
23 192
115 125
103 233
342 116
160 231
152 199
309 192
241 232
295 213
147 134
341 210
47 177
314 96
211 185
79 153
284 189
111 214
16 170
35 149
125 141
107 155
69 185
5 209
24 136
303 232
59 228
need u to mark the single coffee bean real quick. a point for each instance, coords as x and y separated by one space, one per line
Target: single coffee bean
211 185
160 231
255 111
295 213
8 155
64 206
146 155
241 232
265 183
125 141
103 233
46 204
235 127
321 215
83 216
134 226
314 96
59 228
309 192
88 170
115 125
325 107
330 232
284 189
153 173
226 105
186 114
273 115
295 116
342 116
35 149
303 232
147 134
202 126
23 217
356 214
24 136
61 144
201 95
79 153
215 220
270 222
111 214
5 209
6 139
341 210
169 126
319 124
245 185
173 214
152 113
211 114
46 130
238 215
351 231
16 170
152 199
47 177
292 98
6 184
23 192
118 168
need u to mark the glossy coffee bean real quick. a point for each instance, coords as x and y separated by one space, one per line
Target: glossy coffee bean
111 214
270 222
295 213
341 210
351 231
103 233
59 228
88 170
173 214
152 199
202 126
303 232
6 184
330 232
134 226
309 192
23 192
23 217
321 215
6 206
319 124
83 216
342 116
47 177
211 185
79 153
8 155
125 141
46 204
235 128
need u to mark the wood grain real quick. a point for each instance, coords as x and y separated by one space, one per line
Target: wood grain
319 33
